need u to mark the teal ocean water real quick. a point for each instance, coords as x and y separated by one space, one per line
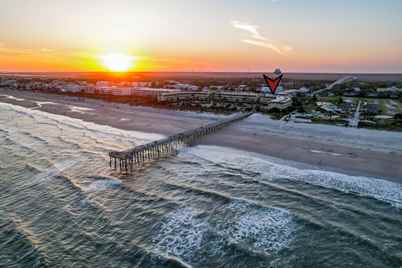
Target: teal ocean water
61 206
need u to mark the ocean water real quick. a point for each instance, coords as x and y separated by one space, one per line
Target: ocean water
61 206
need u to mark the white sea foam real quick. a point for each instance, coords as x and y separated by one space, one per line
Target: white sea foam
265 230
12 97
181 233
40 103
271 170
324 152
103 185
101 131
79 109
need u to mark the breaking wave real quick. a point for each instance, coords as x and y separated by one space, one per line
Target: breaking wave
181 233
262 229
269 169
187 232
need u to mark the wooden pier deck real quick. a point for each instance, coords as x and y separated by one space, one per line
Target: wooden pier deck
127 160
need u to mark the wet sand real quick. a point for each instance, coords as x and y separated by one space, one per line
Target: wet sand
351 151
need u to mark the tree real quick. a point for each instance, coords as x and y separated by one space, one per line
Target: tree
315 98
338 101
298 104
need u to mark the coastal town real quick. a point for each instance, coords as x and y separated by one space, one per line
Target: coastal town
345 102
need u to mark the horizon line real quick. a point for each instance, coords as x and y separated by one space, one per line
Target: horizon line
192 72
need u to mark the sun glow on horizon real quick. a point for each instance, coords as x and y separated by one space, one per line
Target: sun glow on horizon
118 62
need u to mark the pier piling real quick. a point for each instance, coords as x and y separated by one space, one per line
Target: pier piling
137 156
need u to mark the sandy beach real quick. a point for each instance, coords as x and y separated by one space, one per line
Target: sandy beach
351 151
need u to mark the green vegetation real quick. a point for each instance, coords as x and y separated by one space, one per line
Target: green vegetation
337 100
383 107
399 109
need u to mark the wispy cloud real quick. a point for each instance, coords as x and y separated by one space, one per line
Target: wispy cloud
287 48
264 44
253 29
257 39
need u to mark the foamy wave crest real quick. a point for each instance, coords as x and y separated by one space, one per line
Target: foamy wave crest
266 230
190 235
12 97
98 131
380 189
181 233
40 103
79 109
269 169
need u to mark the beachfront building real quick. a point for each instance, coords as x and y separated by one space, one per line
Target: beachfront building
89 89
390 92
226 100
389 89
102 84
328 108
33 85
114 90
106 89
10 83
121 91
293 92
181 86
72 88
151 92
141 84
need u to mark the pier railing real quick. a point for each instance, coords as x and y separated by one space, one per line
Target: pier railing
127 160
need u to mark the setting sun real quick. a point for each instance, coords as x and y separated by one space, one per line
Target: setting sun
117 62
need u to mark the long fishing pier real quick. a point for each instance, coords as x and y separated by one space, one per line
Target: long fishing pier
136 157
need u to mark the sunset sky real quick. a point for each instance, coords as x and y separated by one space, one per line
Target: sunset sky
204 35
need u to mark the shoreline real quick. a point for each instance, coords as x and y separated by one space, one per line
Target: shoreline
357 152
